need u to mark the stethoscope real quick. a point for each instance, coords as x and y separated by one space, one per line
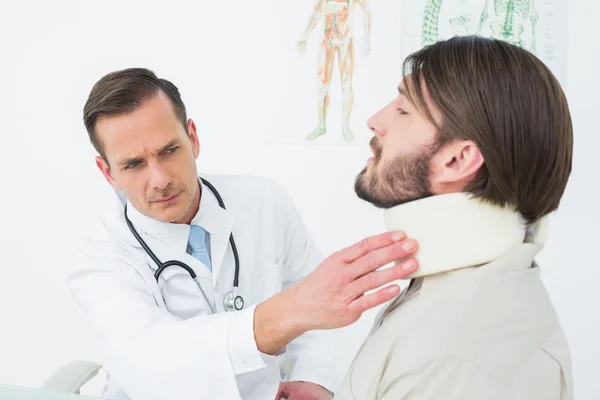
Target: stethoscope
232 300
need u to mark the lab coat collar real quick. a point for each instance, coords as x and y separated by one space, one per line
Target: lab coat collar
217 221
456 231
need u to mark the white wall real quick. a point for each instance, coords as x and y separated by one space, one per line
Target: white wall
52 52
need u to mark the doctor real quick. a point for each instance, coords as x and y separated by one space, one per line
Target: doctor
198 287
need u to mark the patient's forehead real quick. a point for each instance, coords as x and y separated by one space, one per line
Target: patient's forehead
408 95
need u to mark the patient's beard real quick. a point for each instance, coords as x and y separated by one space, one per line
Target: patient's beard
404 179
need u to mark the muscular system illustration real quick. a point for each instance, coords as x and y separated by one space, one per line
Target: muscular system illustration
337 43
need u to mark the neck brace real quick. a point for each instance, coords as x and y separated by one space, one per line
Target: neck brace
456 231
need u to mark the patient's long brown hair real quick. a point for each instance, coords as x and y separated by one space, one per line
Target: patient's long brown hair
510 104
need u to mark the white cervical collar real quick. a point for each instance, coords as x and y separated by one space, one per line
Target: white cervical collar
455 231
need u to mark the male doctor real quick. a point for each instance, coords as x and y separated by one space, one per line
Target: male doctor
166 335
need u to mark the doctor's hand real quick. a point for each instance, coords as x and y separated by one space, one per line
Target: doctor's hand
302 391
334 294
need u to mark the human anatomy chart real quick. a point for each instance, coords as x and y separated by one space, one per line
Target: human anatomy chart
337 44
538 26
332 65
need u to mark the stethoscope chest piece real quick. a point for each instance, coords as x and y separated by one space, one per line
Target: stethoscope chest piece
233 301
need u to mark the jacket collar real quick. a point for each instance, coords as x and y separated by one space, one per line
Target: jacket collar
455 231
217 221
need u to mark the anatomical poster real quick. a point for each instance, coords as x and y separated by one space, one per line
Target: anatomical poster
538 26
338 62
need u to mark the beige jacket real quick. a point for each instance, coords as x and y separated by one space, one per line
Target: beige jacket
486 332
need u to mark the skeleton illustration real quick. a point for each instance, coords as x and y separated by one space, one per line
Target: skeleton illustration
459 25
506 20
337 41
431 17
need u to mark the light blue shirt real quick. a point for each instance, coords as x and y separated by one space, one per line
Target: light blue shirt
198 245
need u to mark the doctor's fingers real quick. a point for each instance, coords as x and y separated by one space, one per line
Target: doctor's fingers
380 257
377 298
376 279
369 244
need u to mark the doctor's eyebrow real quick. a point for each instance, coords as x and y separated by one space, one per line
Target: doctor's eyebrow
130 162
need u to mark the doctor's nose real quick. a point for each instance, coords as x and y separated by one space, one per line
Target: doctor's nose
159 179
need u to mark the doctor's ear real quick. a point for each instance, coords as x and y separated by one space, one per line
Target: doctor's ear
105 169
454 166
193 134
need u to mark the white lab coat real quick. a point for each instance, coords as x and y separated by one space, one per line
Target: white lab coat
175 349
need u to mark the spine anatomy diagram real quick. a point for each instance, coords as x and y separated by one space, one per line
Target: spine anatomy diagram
507 19
514 21
431 19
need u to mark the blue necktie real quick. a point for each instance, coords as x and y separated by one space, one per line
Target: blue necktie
198 245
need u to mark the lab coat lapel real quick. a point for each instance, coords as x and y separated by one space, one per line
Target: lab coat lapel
166 252
218 222
163 244
219 244
147 273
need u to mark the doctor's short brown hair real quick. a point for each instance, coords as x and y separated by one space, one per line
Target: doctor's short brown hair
509 103
124 91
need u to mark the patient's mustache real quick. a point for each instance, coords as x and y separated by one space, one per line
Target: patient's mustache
376 147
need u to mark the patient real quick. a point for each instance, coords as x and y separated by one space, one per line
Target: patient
469 159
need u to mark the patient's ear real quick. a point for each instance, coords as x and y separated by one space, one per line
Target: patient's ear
454 166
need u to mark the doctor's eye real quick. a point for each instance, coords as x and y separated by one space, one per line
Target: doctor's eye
131 165
401 111
171 150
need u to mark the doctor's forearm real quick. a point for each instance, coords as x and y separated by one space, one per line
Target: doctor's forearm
333 295
274 327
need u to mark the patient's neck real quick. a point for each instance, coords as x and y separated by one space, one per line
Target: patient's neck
455 231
